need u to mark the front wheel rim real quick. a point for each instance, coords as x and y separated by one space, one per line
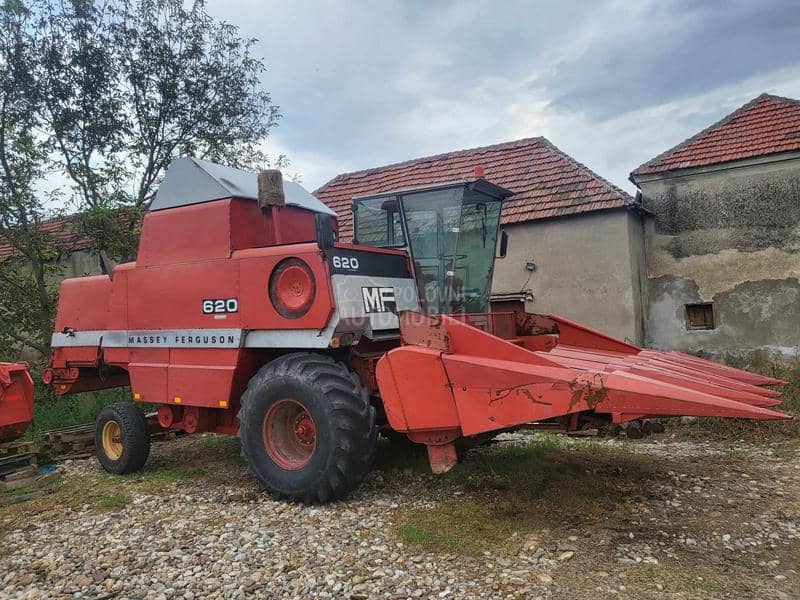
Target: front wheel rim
289 434
112 440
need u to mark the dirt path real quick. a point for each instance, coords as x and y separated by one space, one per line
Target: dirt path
534 517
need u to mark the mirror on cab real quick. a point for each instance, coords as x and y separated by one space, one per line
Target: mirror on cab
326 237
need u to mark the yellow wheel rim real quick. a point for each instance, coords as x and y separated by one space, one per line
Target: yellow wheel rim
112 440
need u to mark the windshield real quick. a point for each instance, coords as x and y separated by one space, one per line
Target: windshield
452 235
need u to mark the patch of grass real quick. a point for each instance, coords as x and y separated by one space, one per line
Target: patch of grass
786 448
606 446
785 368
151 479
221 447
114 500
508 462
498 495
414 534
212 441
684 578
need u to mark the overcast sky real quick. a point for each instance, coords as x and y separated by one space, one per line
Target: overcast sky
612 83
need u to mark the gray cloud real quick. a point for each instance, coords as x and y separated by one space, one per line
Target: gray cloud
677 51
613 83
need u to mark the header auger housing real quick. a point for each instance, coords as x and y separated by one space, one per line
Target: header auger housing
243 315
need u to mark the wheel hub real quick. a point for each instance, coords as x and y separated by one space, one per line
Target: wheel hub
290 435
112 440
305 431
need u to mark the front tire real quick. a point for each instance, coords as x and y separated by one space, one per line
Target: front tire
122 438
307 428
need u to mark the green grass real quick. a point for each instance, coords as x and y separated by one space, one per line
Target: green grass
787 369
51 412
226 447
495 497
163 477
113 500
761 362
415 534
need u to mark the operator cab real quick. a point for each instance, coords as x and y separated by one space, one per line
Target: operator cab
450 232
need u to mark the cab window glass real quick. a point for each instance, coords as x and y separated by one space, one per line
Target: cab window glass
378 223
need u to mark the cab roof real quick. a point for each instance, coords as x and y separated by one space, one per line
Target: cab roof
194 181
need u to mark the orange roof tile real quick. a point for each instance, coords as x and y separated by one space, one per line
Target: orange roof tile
765 125
63 235
546 181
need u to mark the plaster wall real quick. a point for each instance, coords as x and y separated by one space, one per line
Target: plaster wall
729 236
588 268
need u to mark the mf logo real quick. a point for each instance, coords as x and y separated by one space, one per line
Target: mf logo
379 299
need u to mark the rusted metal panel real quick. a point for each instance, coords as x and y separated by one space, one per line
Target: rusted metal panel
425 331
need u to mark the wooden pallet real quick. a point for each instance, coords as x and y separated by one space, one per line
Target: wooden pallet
18 479
17 447
68 434
65 443
78 441
69 442
17 470
10 464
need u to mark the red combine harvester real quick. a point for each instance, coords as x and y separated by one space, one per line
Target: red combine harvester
243 315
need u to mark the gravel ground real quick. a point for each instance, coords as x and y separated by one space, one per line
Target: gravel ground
689 520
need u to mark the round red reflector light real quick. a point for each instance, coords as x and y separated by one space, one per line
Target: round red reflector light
292 288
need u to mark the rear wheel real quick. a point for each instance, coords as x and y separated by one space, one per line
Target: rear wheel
122 438
307 428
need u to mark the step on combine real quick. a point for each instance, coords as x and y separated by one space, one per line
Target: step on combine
244 315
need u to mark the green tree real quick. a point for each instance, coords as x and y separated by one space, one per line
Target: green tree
27 298
131 85
109 92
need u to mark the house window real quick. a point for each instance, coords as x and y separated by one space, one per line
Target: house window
700 316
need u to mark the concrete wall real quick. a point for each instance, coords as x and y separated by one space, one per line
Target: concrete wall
589 268
80 263
731 236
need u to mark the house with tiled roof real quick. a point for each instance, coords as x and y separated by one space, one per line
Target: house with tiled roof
59 229
575 240
73 249
723 243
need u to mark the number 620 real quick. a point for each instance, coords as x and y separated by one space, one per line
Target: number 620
216 307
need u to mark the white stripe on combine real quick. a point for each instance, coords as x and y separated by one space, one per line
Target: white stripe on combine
156 338
196 338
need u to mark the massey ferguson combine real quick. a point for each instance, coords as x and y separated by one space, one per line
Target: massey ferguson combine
243 315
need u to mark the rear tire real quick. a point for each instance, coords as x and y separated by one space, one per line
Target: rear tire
307 428
122 438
